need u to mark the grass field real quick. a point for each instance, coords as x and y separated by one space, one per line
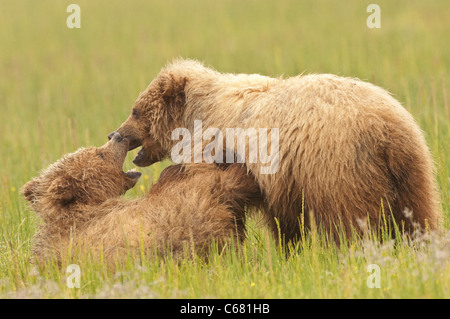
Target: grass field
63 88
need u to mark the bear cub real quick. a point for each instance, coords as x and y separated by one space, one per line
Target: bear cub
189 208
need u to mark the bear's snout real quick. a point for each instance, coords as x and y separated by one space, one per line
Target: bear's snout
132 139
116 137
110 135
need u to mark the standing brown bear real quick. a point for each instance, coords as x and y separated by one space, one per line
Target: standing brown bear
348 150
190 207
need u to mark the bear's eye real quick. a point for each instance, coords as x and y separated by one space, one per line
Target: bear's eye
135 113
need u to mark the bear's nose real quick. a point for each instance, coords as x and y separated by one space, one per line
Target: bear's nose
110 135
116 137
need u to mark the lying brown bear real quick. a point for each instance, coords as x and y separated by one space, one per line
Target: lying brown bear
78 198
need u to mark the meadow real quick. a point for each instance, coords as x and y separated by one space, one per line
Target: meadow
63 88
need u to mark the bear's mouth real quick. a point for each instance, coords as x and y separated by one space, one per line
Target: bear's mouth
140 158
133 174
133 143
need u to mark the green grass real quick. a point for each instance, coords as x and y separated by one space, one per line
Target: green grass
64 88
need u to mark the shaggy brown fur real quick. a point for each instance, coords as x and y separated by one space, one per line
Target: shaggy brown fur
78 199
348 149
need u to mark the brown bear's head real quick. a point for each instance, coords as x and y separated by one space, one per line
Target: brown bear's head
87 177
159 110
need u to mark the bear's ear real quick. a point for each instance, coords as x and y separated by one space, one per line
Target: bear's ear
172 87
29 190
63 190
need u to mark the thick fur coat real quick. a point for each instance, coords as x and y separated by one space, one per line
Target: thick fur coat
189 208
348 151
